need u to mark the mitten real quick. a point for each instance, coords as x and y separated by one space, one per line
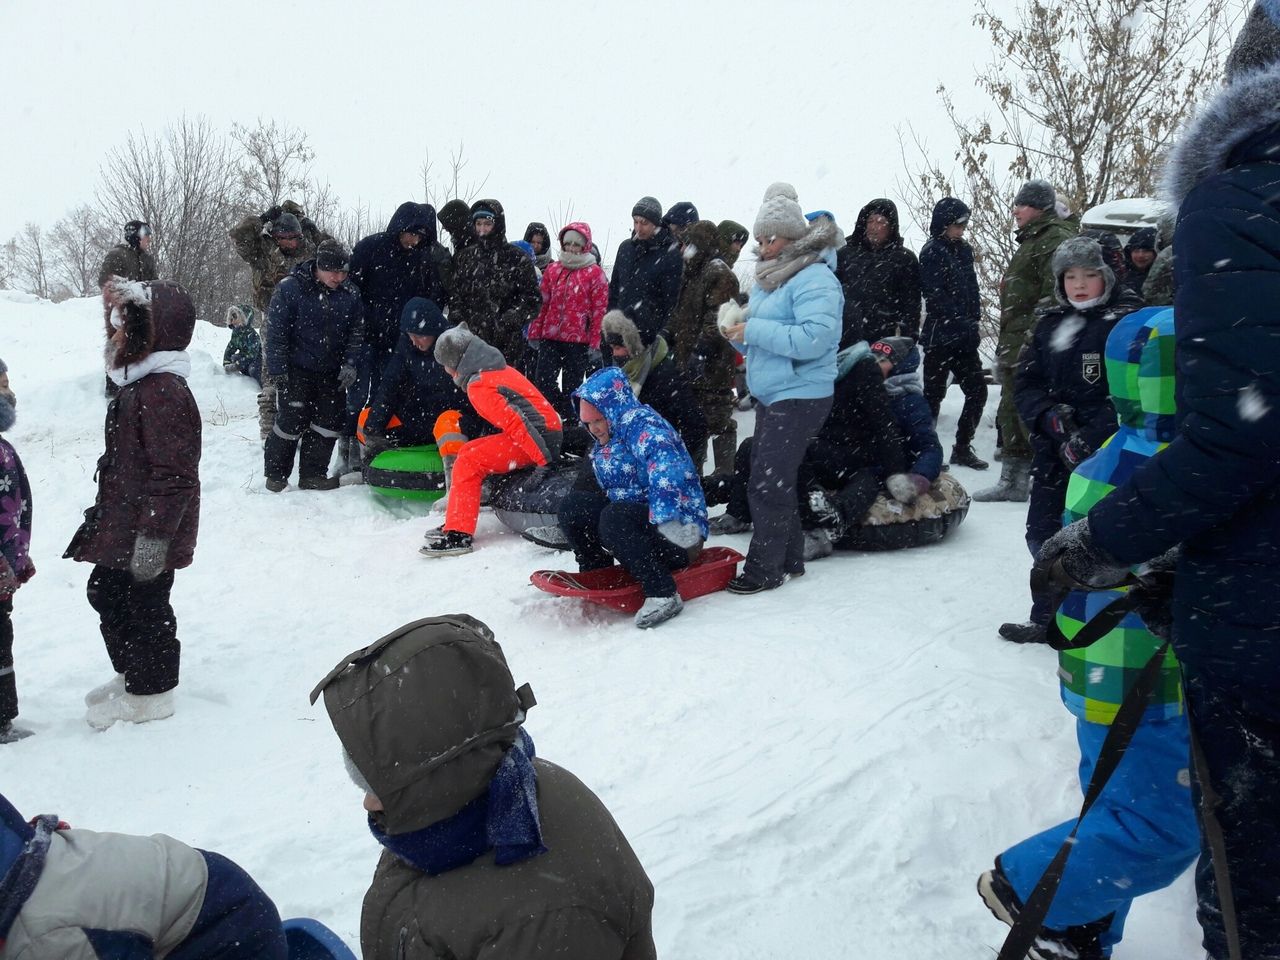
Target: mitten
374 444
148 558
1084 563
907 487
730 314
1074 451
686 535
346 376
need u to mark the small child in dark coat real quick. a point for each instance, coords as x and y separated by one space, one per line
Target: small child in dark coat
16 567
1061 392
899 359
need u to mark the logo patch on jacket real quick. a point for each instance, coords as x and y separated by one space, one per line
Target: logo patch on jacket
1091 367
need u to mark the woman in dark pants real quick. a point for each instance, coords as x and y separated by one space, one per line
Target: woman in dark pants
789 334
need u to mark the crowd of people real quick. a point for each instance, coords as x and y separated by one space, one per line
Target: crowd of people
1141 438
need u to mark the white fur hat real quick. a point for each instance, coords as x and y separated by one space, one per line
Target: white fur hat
780 214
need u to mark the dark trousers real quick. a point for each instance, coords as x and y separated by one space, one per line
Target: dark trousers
310 409
8 682
601 531
138 626
1238 726
852 484
370 363
962 362
1044 519
560 370
237 920
783 432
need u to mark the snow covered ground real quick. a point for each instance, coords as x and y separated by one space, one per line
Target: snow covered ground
821 771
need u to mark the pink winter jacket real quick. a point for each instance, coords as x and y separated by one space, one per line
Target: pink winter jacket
573 301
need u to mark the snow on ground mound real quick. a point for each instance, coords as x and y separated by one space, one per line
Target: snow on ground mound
812 772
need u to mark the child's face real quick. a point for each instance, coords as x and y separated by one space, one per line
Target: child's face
4 389
1082 284
235 320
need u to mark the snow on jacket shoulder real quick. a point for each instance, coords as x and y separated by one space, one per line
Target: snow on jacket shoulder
792 335
574 301
644 460
312 327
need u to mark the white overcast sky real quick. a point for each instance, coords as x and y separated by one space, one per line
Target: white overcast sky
593 103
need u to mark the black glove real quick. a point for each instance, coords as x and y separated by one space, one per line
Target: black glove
374 443
270 214
1072 560
1059 421
347 376
1074 451
1153 595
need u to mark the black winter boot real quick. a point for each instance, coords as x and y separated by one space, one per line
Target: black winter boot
962 455
1024 632
1082 942
318 483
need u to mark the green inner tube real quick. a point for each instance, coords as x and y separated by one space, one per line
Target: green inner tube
407 473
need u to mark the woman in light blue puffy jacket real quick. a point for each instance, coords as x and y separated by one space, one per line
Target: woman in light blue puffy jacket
788 334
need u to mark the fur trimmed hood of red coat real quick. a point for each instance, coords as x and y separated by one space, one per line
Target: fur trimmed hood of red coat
155 315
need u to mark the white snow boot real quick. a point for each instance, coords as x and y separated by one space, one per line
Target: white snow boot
658 610
131 707
105 691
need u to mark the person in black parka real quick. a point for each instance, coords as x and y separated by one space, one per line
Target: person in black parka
953 309
495 285
415 389
390 268
1215 490
1061 393
880 278
1139 255
645 283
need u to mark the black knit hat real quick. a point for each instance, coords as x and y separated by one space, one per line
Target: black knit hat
332 255
455 215
649 208
422 318
680 215
1036 193
285 225
135 229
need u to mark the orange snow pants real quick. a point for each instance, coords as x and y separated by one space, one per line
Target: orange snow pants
476 460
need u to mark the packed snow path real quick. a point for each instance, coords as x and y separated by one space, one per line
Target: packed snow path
819 771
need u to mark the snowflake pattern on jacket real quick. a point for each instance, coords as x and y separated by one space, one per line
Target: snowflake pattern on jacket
644 461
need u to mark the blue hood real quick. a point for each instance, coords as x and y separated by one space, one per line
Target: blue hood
609 391
413 217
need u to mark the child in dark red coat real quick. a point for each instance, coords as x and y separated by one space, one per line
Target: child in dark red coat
142 526
16 567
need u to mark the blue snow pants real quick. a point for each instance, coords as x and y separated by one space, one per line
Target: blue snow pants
1139 836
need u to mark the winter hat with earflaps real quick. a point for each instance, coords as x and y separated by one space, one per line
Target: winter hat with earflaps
780 214
1086 254
1258 45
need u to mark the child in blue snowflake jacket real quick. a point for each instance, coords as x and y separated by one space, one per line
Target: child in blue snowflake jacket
16 567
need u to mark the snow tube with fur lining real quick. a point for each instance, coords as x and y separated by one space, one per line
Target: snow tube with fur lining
890 525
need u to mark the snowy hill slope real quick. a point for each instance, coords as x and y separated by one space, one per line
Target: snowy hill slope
820 771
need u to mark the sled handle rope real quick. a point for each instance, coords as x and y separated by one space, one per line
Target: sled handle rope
562 579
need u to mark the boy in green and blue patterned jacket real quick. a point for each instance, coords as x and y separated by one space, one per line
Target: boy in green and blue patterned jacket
1141 833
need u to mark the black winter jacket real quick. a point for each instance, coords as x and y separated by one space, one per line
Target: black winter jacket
388 275
645 284
881 286
1216 488
311 326
414 388
860 431
495 287
949 283
1065 364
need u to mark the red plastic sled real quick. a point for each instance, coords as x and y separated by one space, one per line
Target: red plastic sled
613 587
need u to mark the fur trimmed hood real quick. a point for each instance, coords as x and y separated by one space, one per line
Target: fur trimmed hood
1248 105
155 316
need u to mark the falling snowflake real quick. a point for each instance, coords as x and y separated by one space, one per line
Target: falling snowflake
1251 404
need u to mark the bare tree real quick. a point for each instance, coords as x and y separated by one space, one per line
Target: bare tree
1086 94
450 184
79 242
186 183
32 261
276 165
9 265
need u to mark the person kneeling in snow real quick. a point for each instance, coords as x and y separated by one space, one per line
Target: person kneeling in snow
244 350
899 359
651 515
529 432
488 851
70 893
142 525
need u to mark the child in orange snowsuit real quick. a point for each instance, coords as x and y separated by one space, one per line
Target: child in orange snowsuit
529 432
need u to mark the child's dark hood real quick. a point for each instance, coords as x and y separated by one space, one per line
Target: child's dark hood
946 211
887 209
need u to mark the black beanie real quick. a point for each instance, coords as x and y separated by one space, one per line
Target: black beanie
893 349
649 208
332 255
422 318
